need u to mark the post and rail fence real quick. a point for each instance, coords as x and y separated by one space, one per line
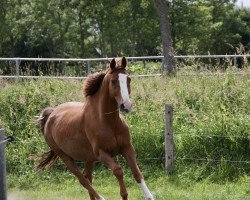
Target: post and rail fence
87 62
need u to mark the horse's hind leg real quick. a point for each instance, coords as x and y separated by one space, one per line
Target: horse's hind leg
75 170
89 166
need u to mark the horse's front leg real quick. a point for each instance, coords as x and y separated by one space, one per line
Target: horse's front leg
130 156
117 171
89 166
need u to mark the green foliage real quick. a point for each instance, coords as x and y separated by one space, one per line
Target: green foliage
19 105
84 28
217 114
145 68
208 26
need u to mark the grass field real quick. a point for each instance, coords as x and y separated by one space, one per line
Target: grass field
211 121
163 187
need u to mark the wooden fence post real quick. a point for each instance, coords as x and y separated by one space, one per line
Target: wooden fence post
169 144
17 69
3 193
235 61
88 66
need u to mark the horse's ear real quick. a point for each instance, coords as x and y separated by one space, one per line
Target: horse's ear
124 62
112 64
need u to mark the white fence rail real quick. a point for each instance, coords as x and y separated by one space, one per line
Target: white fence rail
89 60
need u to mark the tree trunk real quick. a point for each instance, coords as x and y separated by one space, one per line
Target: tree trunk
133 34
172 25
168 51
113 53
103 39
81 29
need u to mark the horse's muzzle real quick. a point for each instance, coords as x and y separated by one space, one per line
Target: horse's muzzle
123 109
126 107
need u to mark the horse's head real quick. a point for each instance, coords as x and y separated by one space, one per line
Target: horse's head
119 84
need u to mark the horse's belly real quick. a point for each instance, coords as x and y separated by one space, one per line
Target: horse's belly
76 146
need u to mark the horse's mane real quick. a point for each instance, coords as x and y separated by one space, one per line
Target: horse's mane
92 83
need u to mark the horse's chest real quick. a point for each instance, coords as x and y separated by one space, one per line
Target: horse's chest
107 137
113 144
114 148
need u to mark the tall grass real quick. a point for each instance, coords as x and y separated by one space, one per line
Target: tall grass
211 121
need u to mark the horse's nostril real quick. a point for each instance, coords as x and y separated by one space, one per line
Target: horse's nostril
122 106
123 109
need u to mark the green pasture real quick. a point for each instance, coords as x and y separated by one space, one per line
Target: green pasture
211 136
163 187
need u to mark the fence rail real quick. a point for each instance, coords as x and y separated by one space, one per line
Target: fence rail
128 58
88 62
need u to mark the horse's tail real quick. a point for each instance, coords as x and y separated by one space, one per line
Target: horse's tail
47 159
42 119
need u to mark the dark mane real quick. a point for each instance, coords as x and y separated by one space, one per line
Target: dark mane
92 83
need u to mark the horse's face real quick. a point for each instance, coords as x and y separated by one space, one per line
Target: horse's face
119 84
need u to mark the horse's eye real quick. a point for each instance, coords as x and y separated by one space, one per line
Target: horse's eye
113 82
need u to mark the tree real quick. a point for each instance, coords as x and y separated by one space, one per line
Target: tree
100 28
168 51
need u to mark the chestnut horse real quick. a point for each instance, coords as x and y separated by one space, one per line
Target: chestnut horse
94 130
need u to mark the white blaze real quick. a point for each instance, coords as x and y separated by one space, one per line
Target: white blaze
123 86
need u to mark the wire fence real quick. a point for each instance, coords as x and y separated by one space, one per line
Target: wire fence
216 160
160 136
211 136
162 158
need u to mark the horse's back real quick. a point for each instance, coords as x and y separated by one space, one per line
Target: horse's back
71 104
66 113
65 131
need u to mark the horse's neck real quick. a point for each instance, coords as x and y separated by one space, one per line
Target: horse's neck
107 106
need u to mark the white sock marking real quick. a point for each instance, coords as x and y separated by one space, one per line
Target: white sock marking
146 191
101 198
123 86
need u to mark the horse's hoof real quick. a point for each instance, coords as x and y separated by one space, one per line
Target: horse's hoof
150 198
